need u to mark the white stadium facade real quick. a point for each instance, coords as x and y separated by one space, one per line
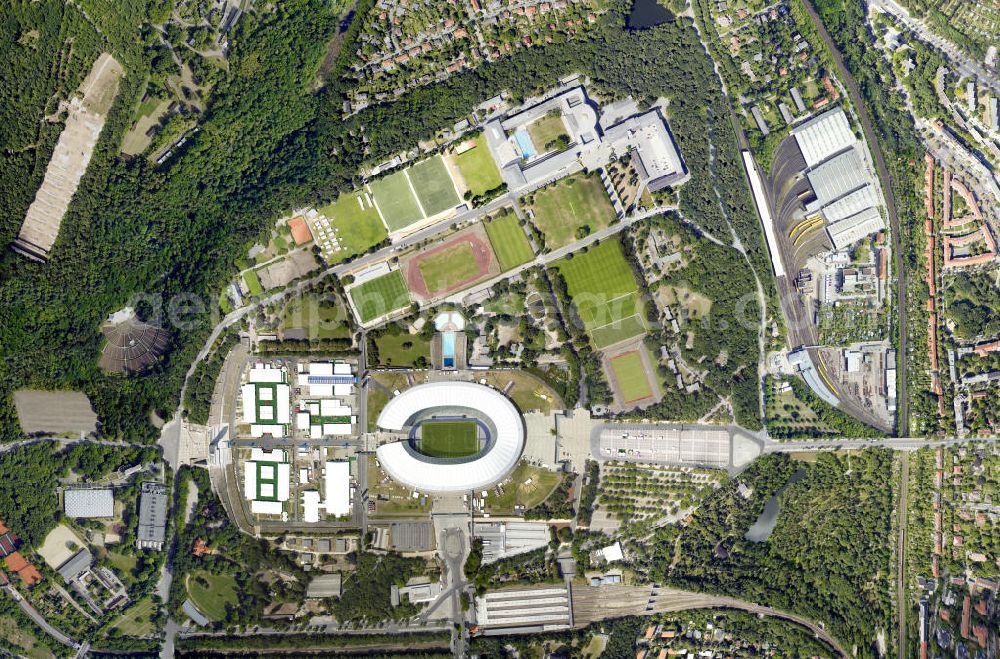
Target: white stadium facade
490 408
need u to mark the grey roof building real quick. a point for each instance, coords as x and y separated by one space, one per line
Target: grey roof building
197 617
76 565
89 503
152 516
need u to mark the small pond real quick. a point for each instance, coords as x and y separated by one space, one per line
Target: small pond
768 519
646 14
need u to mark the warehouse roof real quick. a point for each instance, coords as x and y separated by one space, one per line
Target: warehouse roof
435 475
852 229
838 176
89 503
823 136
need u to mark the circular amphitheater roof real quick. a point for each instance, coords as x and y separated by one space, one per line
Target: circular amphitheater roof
428 474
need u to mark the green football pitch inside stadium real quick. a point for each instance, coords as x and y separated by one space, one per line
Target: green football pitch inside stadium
448 439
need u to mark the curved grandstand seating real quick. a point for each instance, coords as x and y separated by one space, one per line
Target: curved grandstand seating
429 474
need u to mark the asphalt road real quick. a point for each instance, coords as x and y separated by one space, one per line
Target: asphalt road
903 411
37 617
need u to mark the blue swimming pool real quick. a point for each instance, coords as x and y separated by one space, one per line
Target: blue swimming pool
524 143
448 349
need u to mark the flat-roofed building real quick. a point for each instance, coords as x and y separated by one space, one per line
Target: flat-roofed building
824 135
337 488
544 608
89 503
152 527
850 230
838 176
648 138
503 539
77 564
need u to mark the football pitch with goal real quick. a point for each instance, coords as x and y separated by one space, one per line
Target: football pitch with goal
433 184
604 293
448 439
381 295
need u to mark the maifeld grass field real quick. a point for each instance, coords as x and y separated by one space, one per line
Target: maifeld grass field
357 224
433 184
448 439
509 242
604 293
445 269
630 374
565 206
396 201
381 295
478 168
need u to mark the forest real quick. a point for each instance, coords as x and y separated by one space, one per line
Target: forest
827 558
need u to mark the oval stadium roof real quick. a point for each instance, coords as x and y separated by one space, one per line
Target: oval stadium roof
434 475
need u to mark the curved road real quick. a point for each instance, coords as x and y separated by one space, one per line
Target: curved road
903 412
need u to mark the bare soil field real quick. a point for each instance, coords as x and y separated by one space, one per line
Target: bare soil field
54 412
281 273
86 115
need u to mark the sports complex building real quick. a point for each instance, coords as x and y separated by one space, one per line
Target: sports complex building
455 437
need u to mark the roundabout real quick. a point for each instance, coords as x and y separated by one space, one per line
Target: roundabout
455 437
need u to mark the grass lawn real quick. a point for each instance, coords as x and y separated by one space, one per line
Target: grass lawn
509 242
604 293
478 168
390 497
631 376
124 563
381 295
447 268
448 439
433 184
527 486
545 129
356 224
22 638
402 349
253 282
212 600
320 317
377 399
564 207
135 620
527 391
396 201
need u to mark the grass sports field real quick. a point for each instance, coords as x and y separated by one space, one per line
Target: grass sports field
631 377
565 206
381 295
445 269
448 439
396 201
478 168
433 184
321 317
212 600
509 242
604 293
545 129
356 224
253 282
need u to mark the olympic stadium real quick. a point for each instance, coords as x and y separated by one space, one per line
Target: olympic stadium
454 437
